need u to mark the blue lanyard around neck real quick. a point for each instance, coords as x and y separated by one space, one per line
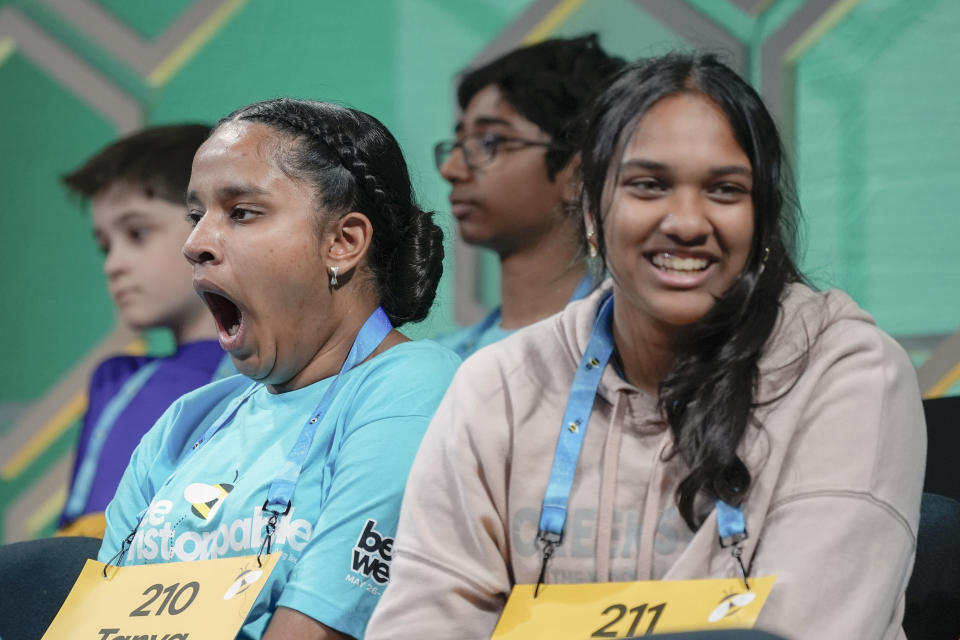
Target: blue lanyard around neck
730 521
371 334
280 495
87 469
473 338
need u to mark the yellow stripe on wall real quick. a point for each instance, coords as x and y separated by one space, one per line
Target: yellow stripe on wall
945 383
68 414
551 21
192 43
818 29
53 429
46 514
7 48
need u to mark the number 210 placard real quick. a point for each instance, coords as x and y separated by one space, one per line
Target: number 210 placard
208 600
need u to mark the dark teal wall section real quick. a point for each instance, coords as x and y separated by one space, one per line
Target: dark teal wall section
53 300
878 161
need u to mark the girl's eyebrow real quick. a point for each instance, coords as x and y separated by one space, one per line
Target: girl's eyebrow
237 190
640 163
732 168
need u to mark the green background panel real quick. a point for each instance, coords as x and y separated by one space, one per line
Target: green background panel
55 304
879 150
148 19
624 28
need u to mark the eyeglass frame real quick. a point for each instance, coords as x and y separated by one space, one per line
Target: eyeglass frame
447 147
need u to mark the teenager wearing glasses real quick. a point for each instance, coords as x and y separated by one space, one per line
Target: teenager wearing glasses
511 169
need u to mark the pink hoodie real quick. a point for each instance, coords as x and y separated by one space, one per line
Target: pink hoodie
832 510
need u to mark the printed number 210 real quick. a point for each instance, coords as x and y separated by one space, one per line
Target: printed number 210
172 602
621 611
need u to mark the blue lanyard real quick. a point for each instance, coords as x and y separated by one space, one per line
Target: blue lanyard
372 333
730 521
584 287
87 470
280 495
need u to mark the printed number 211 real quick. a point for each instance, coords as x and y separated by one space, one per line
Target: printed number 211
621 611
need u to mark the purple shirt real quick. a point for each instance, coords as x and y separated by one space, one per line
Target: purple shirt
192 366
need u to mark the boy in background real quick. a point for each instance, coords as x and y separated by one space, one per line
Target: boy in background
512 171
137 187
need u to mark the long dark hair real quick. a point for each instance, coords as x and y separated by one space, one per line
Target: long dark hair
708 394
356 164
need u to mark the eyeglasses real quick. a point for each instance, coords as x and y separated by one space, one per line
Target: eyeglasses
479 150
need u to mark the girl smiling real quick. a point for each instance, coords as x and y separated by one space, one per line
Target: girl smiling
704 415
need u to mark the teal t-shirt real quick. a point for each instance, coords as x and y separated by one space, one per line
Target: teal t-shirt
337 539
464 342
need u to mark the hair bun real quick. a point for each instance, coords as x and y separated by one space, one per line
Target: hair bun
415 269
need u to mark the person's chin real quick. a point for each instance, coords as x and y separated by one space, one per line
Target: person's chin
138 321
683 315
480 237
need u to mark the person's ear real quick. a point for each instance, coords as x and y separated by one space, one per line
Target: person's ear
346 242
592 239
569 179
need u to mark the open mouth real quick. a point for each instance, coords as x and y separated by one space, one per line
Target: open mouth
226 313
676 264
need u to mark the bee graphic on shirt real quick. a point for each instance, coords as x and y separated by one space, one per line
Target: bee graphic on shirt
206 498
731 604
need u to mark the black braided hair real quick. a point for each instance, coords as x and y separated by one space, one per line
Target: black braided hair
355 164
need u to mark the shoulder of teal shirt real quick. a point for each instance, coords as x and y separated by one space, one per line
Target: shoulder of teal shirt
412 376
466 341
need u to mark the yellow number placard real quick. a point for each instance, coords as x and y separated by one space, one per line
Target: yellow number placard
628 609
207 599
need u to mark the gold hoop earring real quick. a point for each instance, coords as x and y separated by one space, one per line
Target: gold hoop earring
334 271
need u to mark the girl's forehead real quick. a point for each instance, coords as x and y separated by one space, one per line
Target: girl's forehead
246 144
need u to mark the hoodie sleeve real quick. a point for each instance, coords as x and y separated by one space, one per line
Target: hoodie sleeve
449 577
840 533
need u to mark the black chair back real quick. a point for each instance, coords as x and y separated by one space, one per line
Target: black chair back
933 594
35 578
943 447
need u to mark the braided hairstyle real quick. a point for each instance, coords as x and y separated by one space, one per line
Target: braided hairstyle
355 164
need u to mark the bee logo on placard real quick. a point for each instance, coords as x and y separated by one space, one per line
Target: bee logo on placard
730 604
243 582
206 498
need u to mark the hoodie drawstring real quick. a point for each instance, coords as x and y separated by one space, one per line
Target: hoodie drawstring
651 509
608 483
